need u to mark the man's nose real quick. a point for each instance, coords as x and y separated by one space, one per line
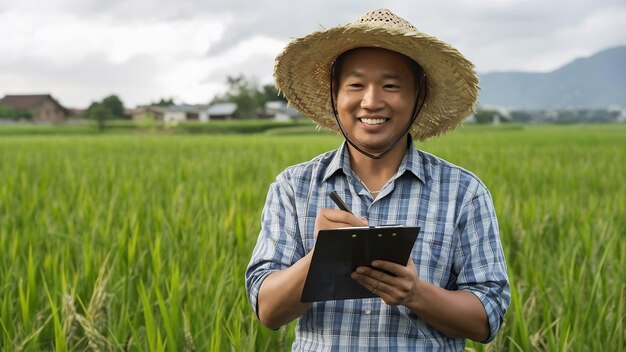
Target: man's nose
372 99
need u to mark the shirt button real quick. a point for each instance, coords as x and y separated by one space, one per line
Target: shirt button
368 312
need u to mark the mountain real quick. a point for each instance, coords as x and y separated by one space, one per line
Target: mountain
597 81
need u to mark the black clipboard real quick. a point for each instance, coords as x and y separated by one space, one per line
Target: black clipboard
339 252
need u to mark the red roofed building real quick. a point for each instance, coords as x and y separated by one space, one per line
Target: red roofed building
42 107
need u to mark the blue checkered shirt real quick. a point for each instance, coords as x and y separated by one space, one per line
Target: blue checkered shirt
458 247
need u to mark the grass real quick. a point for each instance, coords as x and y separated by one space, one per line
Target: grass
125 127
139 241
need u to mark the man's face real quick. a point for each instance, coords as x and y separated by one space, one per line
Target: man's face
375 97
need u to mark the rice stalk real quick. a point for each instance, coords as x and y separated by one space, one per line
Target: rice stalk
70 320
189 344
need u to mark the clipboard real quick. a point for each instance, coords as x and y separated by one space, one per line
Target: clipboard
339 252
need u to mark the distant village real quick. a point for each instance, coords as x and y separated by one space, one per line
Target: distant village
44 108
497 115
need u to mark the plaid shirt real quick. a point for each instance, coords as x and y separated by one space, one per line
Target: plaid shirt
458 247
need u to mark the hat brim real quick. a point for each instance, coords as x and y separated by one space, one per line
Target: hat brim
302 74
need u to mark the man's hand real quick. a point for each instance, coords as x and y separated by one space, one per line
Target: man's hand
279 295
400 289
455 313
333 218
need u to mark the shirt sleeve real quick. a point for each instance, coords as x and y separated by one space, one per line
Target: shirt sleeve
479 259
279 245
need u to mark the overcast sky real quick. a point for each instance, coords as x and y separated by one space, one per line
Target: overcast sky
143 50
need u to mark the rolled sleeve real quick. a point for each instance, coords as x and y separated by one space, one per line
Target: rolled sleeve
479 259
278 245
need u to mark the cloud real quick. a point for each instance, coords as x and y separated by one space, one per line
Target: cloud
89 79
543 36
49 53
82 50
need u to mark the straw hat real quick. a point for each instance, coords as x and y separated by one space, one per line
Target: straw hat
302 70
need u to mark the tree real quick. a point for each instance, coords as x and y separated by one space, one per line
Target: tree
250 99
270 93
109 108
521 116
7 112
164 102
97 111
485 116
245 94
115 106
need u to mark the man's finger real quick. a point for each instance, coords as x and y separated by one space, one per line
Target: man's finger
369 282
340 216
389 267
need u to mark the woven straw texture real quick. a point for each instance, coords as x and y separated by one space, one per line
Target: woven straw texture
302 71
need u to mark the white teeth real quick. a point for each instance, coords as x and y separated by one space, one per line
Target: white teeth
373 121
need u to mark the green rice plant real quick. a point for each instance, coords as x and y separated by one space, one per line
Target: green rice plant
139 242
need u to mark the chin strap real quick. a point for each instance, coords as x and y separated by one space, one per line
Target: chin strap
421 95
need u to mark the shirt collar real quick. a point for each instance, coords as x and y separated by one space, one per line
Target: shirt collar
340 161
412 162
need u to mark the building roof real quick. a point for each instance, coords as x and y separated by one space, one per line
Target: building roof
183 108
280 106
19 102
152 108
222 109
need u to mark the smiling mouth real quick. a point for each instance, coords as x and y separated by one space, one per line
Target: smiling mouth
372 122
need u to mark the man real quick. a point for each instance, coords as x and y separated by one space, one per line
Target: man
380 82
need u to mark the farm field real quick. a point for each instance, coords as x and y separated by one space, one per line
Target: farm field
139 242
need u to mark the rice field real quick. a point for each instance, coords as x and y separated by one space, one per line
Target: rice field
139 242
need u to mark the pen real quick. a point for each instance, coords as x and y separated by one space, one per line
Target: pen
340 203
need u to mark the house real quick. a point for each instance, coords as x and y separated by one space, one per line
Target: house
203 112
148 112
180 113
172 113
280 111
76 112
222 111
41 107
489 114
